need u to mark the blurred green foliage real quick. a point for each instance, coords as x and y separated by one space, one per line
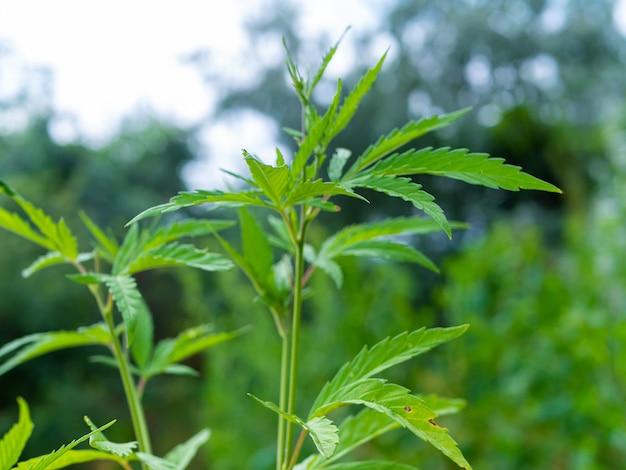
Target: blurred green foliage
542 366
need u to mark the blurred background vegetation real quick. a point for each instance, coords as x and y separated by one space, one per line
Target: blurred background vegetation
540 278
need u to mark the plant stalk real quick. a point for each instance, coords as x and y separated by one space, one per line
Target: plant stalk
282 403
296 452
295 339
130 390
132 397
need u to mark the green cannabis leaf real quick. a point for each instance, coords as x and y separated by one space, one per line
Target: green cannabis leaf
322 430
128 300
372 240
473 168
97 440
55 237
62 457
29 347
168 352
397 138
14 441
72 457
179 457
354 384
383 355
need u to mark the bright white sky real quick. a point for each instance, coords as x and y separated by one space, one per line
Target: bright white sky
110 58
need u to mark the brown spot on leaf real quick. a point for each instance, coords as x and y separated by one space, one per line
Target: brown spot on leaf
433 423
408 409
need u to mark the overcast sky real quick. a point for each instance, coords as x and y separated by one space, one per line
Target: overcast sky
109 58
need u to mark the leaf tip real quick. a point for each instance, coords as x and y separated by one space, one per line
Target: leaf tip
555 189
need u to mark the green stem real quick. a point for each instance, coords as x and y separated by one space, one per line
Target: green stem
284 363
295 337
132 396
130 390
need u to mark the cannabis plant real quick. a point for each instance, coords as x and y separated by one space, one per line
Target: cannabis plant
125 326
276 255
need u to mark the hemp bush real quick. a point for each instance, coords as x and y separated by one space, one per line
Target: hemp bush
277 257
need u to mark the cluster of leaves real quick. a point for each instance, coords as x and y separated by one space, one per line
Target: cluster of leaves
280 261
14 441
140 250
